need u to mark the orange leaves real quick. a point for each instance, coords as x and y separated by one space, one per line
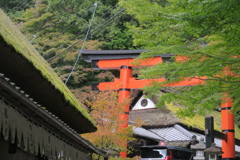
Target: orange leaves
105 111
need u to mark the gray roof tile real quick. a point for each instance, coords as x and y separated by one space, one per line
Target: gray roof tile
174 135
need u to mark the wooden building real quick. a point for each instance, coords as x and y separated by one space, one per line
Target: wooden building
163 127
39 117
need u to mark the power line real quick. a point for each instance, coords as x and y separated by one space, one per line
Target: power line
66 42
35 35
106 22
79 54
99 27
108 11
67 27
79 33
61 32
6 4
19 6
81 16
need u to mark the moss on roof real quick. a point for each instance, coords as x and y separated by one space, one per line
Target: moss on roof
154 117
198 121
18 41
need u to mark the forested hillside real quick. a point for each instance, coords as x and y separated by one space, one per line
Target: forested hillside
58 29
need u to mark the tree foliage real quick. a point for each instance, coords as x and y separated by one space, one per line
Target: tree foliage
15 8
105 110
206 34
57 29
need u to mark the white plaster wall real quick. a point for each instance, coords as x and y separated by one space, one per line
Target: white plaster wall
138 105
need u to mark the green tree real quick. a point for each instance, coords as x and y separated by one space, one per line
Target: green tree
57 29
206 33
15 8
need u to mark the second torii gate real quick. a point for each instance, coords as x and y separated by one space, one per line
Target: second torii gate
123 60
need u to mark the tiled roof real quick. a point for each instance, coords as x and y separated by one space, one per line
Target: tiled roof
167 116
174 135
146 133
166 134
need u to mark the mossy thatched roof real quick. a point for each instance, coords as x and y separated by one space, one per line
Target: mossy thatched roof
20 62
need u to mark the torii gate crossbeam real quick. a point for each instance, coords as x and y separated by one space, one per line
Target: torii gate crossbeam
123 60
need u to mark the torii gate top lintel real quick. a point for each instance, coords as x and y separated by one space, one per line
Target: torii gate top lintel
114 59
102 59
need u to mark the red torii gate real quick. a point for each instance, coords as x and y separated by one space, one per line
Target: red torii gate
123 60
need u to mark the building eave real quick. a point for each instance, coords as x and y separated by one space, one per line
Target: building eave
41 116
20 62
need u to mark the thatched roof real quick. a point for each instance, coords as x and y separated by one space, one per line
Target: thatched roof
18 58
154 117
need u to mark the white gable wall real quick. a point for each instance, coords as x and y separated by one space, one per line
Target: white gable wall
139 106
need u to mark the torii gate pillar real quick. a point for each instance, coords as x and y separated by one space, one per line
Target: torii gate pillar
102 59
228 144
123 94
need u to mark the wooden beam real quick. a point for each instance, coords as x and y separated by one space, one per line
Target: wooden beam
117 63
137 84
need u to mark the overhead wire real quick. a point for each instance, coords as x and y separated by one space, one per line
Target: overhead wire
79 33
35 35
91 33
14 6
106 22
6 4
79 54
82 31
67 29
60 33
21 5
17 6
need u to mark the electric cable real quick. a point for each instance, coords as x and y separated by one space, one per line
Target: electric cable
67 27
99 27
6 4
79 33
79 54
109 10
91 33
61 34
35 35
17 6
106 22
21 5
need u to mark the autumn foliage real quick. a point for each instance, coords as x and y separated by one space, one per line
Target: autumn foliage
105 110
